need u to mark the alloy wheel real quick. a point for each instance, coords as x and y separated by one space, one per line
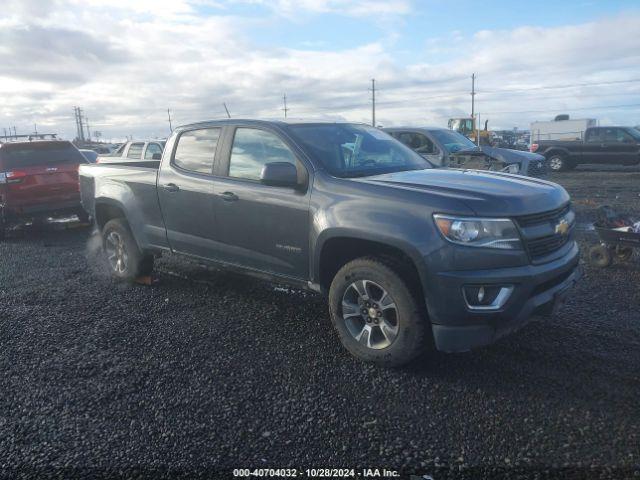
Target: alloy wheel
116 252
370 314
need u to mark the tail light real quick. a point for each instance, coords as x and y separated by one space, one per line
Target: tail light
12 177
533 148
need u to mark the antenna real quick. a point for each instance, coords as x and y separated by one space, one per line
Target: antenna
169 115
226 110
285 109
373 102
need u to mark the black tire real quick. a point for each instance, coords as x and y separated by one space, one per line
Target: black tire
407 317
600 256
623 254
117 239
557 162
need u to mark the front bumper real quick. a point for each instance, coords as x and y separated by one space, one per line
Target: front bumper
538 290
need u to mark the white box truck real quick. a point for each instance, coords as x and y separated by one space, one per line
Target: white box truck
562 128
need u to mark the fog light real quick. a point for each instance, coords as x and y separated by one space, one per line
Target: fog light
486 297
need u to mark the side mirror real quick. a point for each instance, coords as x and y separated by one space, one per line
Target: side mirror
156 156
279 174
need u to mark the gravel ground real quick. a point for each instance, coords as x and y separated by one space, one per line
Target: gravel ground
208 371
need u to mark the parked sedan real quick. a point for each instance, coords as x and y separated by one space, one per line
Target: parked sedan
448 148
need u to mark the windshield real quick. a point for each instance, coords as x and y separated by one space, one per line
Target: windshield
40 153
634 133
453 141
351 150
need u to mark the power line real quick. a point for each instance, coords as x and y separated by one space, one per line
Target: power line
564 109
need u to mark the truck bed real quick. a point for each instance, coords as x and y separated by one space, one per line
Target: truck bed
130 187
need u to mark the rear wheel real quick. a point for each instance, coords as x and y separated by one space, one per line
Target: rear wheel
377 317
559 163
600 256
124 258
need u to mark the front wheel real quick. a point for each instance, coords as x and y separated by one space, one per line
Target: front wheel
375 313
124 258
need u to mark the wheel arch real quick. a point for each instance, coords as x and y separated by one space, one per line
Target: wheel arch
335 250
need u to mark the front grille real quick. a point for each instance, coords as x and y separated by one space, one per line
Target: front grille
541 246
545 245
537 168
537 218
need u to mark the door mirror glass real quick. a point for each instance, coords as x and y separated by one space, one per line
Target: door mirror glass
279 174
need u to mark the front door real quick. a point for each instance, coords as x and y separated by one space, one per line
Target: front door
185 191
261 227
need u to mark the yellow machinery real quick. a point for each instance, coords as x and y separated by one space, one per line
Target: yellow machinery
467 127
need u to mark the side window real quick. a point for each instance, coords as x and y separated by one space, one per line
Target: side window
135 151
417 142
613 135
593 135
196 150
252 149
152 148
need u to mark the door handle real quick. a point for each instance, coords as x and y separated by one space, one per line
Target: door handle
171 187
229 196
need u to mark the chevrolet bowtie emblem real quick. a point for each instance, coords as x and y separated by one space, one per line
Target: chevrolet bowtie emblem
562 228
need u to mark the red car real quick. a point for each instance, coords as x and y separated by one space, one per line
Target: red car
39 180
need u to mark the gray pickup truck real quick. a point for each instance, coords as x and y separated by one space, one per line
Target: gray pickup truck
411 257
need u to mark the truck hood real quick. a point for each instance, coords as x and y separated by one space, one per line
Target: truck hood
486 193
505 155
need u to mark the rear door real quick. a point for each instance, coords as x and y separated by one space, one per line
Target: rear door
185 191
40 175
593 146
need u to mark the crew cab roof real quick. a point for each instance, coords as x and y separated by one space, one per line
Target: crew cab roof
266 121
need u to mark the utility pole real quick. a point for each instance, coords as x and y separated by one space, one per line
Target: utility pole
35 129
169 115
226 110
373 102
15 134
5 133
285 109
473 94
86 121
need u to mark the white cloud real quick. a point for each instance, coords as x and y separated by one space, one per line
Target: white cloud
127 62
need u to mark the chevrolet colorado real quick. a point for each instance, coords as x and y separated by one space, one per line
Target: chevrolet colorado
410 256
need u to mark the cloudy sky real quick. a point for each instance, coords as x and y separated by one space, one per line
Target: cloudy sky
126 61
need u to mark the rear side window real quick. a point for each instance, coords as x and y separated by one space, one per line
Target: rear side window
152 149
196 150
252 149
594 135
35 154
135 151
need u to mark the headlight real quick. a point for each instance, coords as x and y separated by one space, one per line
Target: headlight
479 232
513 168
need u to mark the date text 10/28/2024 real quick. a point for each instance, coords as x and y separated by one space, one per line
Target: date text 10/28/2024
318 473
